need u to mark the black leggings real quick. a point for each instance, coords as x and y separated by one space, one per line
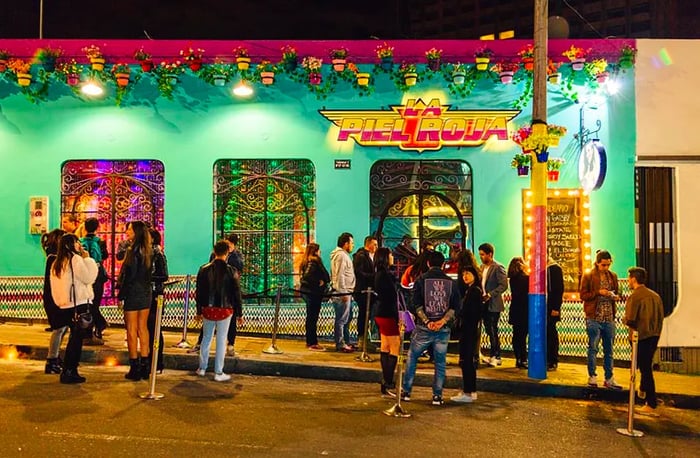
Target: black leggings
467 344
313 310
74 348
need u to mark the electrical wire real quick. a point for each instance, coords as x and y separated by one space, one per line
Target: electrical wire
583 18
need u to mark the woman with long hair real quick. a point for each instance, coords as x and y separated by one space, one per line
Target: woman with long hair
49 242
470 316
72 274
314 283
135 291
517 315
387 318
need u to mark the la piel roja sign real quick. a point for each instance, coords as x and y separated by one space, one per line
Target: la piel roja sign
417 126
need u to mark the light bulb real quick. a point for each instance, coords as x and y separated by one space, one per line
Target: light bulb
92 88
242 89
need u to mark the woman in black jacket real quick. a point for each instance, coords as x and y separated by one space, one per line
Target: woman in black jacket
470 316
314 283
517 315
387 318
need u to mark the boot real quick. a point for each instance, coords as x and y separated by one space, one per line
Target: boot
145 367
52 366
69 376
388 365
134 370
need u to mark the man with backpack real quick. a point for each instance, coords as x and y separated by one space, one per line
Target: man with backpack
97 249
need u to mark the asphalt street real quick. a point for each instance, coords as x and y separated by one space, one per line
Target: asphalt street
273 416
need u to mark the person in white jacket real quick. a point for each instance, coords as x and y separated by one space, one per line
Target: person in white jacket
343 281
72 275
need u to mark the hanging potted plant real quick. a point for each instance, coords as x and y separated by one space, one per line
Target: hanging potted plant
555 133
362 78
553 166
167 77
70 71
527 54
266 72
144 59
97 60
22 70
505 71
217 73
408 73
121 72
339 58
598 69
482 57
553 74
521 162
4 57
385 54
312 66
434 57
290 59
628 55
577 57
192 57
537 144
458 74
47 57
242 58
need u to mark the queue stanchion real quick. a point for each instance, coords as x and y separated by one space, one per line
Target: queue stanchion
396 410
151 394
183 343
272 349
630 431
364 357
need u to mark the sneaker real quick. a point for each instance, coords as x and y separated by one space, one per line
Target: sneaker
345 349
230 351
194 349
406 397
222 377
474 396
495 361
201 372
462 398
593 381
646 409
388 393
316 347
612 384
437 400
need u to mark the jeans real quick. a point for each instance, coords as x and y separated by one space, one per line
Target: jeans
313 310
421 339
491 327
596 331
645 356
343 315
208 327
552 341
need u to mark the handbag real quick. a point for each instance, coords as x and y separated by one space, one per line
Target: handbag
81 320
405 316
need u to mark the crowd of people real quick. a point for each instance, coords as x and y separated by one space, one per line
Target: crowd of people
454 298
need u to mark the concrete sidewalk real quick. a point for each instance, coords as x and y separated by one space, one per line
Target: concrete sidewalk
569 380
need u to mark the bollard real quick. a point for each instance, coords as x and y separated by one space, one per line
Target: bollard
272 349
396 410
364 357
151 394
183 343
630 431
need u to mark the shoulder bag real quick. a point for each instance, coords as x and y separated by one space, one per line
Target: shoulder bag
405 316
82 320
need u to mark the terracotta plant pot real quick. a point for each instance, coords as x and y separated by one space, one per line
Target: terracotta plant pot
458 78
195 64
410 78
73 79
3 65
553 175
363 79
267 78
339 64
386 63
122 79
523 170
601 77
577 64
506 77
315 78
24 79
243 63
434 65
219 80
98 63
482 63
554 78
529 63
146 65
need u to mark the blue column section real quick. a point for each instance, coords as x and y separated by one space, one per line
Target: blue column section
537 329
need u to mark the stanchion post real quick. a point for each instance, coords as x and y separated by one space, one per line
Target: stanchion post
272 349
151 394
630 431
183 343
396 410
364 357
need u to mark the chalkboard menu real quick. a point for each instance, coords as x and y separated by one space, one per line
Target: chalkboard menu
565 232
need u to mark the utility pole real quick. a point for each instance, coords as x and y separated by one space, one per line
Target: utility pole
537 302
41 19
